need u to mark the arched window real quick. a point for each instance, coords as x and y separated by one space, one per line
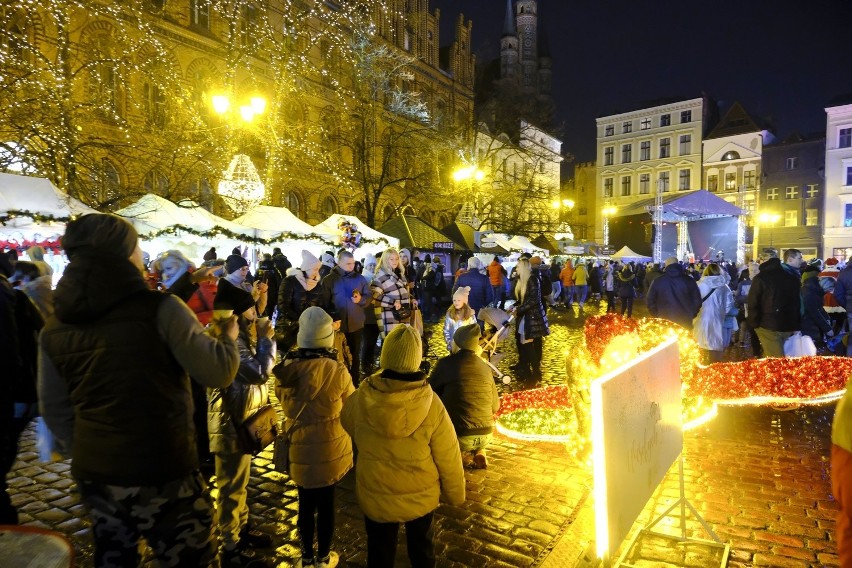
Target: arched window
16 39
329 206
155 182
155 104
409 210
426 216
103 82
731 155
293 202
107 184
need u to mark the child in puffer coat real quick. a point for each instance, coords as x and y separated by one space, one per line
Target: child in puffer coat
408 454
312 387
458 315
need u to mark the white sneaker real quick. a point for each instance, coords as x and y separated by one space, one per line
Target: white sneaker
331 562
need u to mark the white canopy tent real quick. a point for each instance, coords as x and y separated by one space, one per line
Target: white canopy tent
36 208
170 225
284 230
626 254
372 241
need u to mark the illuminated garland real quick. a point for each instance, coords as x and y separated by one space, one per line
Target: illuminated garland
218 231
37 217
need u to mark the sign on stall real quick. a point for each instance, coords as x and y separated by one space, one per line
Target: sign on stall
636 435
443 245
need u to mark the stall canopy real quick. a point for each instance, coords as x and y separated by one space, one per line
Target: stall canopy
273 223
627 254
691 206
31 206
369 236
154 216
415 233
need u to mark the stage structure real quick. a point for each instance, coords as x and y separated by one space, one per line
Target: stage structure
681 208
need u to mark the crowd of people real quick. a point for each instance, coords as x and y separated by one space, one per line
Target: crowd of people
144 373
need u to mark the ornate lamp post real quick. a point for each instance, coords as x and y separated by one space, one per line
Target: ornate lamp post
607 213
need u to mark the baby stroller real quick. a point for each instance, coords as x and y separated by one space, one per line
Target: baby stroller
497 323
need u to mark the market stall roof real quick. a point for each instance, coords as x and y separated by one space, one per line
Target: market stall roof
462 233
691 206
34 204
415 233
547 243
626 253
154 216
273 221
368 234
521 243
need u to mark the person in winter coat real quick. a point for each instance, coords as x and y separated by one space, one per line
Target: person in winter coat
532 325
390 292
581 284
595 286
567 278
610 286
37 287
717 300
497 278
36 255
408 270
347 293
774 302
458 315
652 273
466 387
313 387
228 408
481 294
114 390
674 295
299 291
747 336
843 294
237 273
408 454
626 289
268 273
815 320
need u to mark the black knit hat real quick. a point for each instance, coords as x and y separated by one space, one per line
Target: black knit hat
229 297
101 234
234 262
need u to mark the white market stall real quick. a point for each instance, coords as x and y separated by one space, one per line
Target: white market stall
626 254
279 227
33 212
185 226
372 241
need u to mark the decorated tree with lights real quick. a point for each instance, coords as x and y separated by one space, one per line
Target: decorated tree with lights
89 95
502 185
384 147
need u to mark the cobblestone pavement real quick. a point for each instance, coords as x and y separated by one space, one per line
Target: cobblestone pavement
759 476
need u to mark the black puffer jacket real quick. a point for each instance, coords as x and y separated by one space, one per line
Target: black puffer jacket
774 301
531 310
815 320
464 383
674 296
293 298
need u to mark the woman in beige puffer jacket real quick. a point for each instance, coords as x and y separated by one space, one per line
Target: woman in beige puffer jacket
320 449
408 455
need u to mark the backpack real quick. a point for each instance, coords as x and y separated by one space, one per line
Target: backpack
433 279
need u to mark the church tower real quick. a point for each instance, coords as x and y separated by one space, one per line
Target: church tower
526 12
509 46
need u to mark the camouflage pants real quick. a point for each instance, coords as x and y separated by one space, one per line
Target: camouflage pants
175 518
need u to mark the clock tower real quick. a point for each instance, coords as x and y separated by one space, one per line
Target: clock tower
526 16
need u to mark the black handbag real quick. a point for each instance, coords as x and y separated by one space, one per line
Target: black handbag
401 314
257 431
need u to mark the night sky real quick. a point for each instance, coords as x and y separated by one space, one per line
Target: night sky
783 60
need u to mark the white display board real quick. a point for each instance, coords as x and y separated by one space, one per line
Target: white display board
636 435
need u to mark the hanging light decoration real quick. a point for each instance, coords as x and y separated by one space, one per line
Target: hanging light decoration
240 186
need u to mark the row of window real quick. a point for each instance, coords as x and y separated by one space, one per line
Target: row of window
792 192
685 148
645 123
749 181
791 218
683 184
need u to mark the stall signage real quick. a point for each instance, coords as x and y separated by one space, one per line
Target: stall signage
443 246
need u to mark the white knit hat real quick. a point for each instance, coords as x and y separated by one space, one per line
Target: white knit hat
402 350
315 329
327 260
309 261
474 263
462 292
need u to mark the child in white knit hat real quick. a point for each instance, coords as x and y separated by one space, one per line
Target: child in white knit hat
458 315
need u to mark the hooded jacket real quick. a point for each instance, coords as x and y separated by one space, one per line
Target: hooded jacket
708 325
815 320
674 296
408 454
113 382
320 449
336 295
774 300
466 387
